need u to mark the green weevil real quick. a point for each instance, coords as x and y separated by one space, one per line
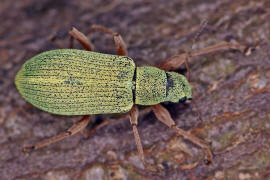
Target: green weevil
79 82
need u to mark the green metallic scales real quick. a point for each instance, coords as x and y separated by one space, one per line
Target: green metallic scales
177 87
150 85
77 82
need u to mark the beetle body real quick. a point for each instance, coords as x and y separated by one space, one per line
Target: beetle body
77 82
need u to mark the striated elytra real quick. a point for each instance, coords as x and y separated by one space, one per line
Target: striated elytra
77 82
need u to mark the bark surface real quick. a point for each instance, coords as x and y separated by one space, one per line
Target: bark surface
231 90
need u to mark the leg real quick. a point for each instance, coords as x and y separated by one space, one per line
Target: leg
176 61
83 40
93 130
78 127
164 116
133 117
118 40
74 34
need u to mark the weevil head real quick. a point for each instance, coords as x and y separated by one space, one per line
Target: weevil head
178 88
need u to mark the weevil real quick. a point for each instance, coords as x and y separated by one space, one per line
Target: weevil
83 82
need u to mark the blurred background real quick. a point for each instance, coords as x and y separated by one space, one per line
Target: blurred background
231 90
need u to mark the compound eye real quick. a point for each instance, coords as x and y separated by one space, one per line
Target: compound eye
183 99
